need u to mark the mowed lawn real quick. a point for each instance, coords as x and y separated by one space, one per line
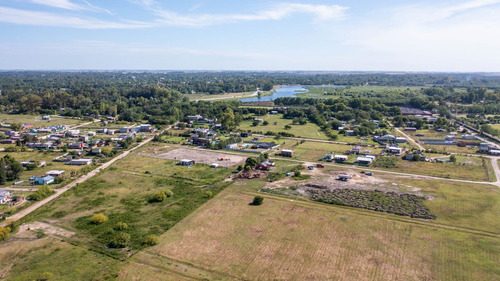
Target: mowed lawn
228 239
309 130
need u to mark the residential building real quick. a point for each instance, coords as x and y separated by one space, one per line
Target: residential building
341 158
395 150
364 160
286 152
81 162
56 173
43 180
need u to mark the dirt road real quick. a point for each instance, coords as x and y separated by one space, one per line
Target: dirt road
496 169
61 190
409 138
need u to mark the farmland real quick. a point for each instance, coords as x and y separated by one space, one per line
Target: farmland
295 240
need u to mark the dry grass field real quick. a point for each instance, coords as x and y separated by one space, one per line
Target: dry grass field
284 239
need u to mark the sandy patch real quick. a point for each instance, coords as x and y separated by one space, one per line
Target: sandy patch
26 230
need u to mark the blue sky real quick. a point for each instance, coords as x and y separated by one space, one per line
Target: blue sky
444 35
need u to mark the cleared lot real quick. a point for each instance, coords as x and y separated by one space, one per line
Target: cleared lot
202 157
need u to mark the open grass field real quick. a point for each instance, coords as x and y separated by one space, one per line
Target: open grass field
473 206
361 91
36 120
466 168
54 259
123 193
228 239
313 151
308 130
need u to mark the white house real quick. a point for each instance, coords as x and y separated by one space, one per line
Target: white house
395 150
81 162
55 173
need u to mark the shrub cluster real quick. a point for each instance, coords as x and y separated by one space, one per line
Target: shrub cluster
390 202
99 218
41 193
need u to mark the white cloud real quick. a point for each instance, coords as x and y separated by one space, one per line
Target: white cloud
459 37
68 5
63 4
17 16
279 12
436 12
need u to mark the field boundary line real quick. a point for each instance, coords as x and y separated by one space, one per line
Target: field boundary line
199 267
362 212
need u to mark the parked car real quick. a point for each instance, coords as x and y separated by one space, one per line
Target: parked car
320 165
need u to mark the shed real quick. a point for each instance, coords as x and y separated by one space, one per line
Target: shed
81 162
341 158
286 152
364 160
55 173
186 162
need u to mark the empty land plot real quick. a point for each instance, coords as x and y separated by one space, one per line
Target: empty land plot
471 206
277 124
202 156
36 120
285 240
49 258
466 168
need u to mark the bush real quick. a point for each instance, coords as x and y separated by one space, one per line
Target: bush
30 167
151 240
169 193
41 193
258 200
159 197
58 180
121 240
208 194
120 226
99 218
4 232
453 158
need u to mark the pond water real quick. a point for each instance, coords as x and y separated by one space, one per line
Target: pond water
286 91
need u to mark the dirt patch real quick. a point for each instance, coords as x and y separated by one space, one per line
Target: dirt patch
252 174
27 231
328 180
202 156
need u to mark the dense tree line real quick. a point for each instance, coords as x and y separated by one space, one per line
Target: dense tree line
160 98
